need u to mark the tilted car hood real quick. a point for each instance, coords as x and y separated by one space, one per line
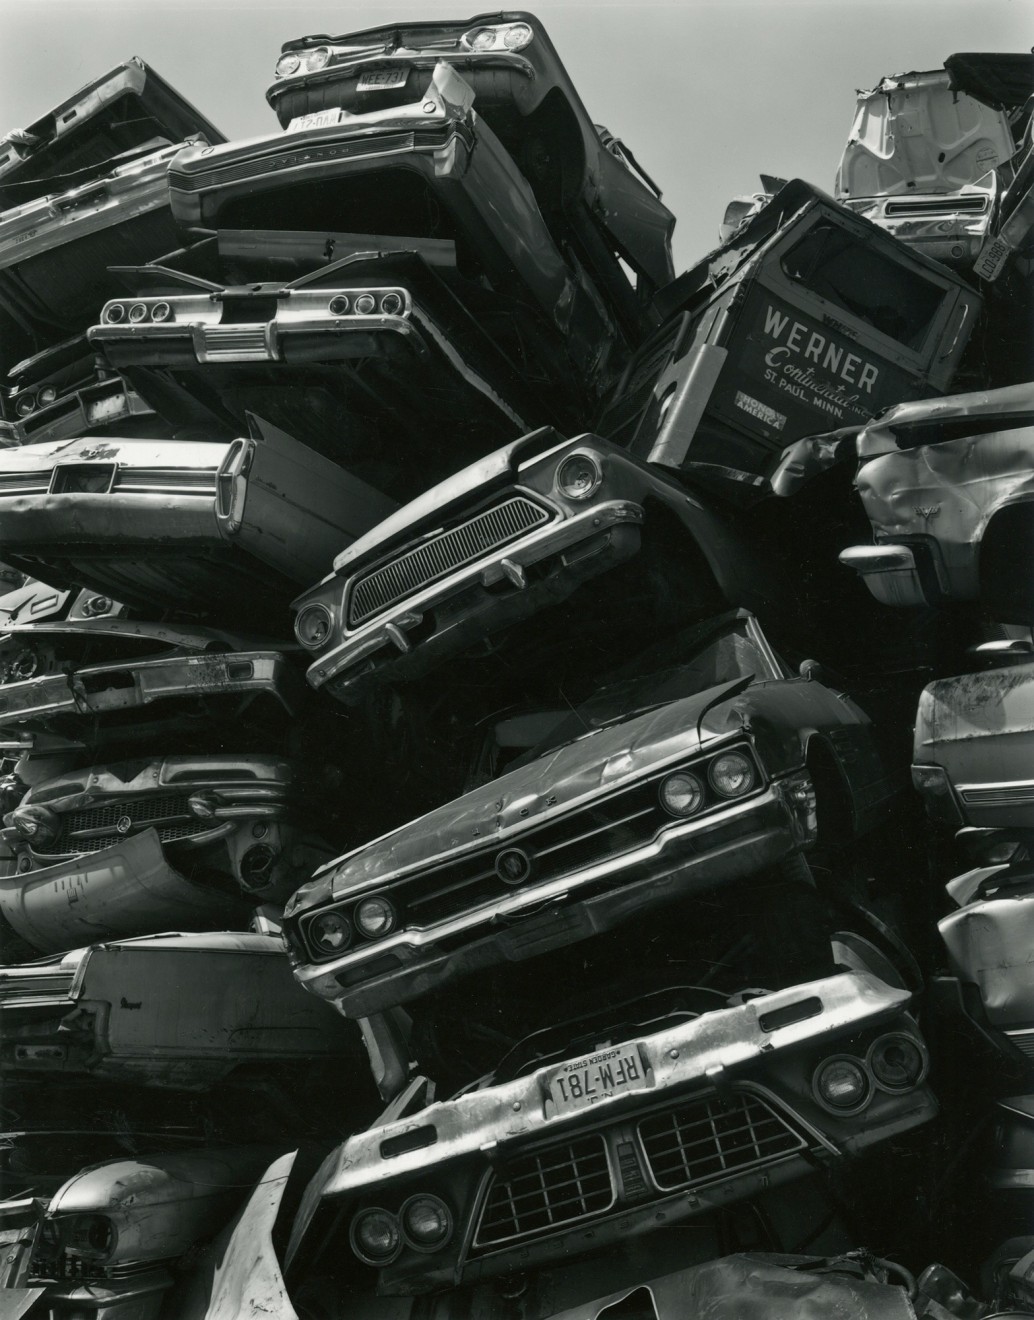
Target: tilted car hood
583 769
477 479
879 436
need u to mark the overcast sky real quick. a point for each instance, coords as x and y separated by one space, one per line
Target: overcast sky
707 93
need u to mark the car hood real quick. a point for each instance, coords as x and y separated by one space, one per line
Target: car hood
597 763
435 503
879 436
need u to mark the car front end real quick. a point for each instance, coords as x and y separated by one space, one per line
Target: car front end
493 545
635 815
632 1135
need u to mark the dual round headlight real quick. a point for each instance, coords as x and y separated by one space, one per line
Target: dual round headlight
332 932
682 794
895 1063
312 626
842 1084
424 1223
578 477
731 774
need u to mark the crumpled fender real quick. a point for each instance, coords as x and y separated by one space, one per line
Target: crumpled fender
240 1275
756 1287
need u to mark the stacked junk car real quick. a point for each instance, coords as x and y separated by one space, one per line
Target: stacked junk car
518 763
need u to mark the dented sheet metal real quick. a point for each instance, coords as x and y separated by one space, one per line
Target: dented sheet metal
435 151
104 689
936 478
176 1011
764 1049
123 110
239 1274
758 1287
989 939
978 731
452 568
210 525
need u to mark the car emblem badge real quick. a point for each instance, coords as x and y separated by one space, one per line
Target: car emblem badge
124 824
513 866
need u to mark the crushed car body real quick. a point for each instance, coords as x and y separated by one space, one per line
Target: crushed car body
167 1010
523 90
630 1135
499 541
659 788
807 317
946 485
389 171
181 843
927 159
226 522
973 755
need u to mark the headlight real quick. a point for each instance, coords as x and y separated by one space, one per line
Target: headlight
897 1062
365 304
114 312
731 774
374 917
681 794
287 64
138 312
842 1084
376 1237
47 394
37 824
339 305
578 477
517 36
329 932
508 36
161 311
317 59
25 404
312 626
92 1236
391 304
257 867
426 1222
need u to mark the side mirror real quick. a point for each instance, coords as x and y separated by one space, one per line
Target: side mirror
813 670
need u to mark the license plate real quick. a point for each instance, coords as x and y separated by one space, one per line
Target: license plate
379 80
585 1082
317 119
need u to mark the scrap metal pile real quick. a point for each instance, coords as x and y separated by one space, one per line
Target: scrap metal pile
518 773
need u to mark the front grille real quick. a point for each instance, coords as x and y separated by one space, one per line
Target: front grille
93 828
55 984
441 555
235 342
543 1191
608 827
700 1140
707 1138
